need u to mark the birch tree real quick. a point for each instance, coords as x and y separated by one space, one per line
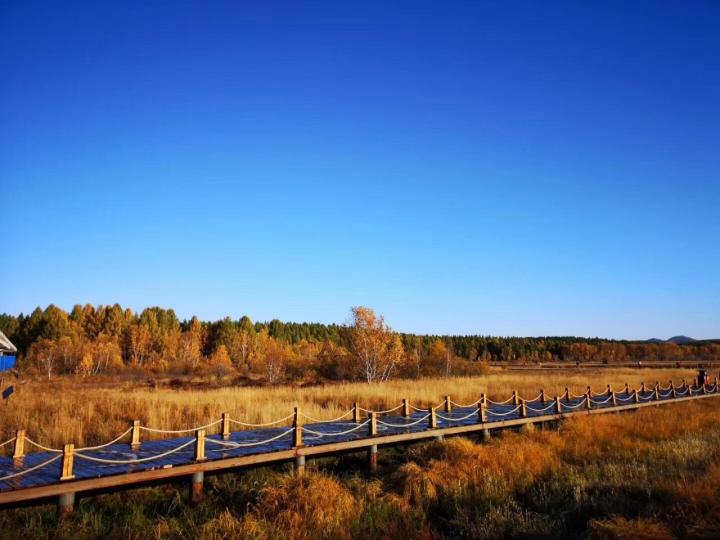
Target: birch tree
376 347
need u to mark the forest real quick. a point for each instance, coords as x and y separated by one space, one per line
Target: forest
111 339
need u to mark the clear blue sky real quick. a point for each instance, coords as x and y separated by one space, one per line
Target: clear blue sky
513 168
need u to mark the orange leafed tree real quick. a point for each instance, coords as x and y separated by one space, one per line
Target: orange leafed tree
376 347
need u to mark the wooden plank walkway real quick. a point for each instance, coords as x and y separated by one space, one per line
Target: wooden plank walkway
69 471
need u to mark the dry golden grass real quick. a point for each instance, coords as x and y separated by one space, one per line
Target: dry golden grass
66 410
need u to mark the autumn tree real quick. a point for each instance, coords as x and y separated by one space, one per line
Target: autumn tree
375 346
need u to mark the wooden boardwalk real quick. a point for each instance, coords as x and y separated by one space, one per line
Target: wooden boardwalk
130 461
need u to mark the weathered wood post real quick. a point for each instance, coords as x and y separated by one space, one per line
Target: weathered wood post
672 390
297 424
373 457
627 389
225 426
483 417
432 419
372 425
656 395
558 404
196 488
589 392
614 398
523 408
66 501
65 505
515 398
19 452
135 439
200 445
356 412
684 384
406 408
67 462
542 396
299 465
588 402
609 390
567 394
636 396
642 388
448 405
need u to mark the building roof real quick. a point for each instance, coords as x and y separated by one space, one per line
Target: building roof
5 345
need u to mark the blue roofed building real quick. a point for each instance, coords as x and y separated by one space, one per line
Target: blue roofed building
7 353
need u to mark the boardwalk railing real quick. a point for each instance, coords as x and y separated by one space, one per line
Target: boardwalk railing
28 476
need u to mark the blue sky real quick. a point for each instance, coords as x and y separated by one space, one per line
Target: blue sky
507 168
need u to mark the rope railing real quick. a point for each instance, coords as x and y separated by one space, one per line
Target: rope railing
41 447
370 411
507 413
31 469
136 460
233 444
319 421
178 431
264 424
461 419
105 445
335 433
481 409
546 408
410 424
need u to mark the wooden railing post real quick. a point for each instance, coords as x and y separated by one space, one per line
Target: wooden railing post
684 384
523 408
515 398
297 424
567 394
135 440
372 430
558 405
642 387
225 426
588 403
483 400
589 392
627 389
356 412
406 408
448 405
672 389
704 388
637 396
542 396
609 390
19 452
657 391
67 462
200 445
432 419
482 413
614 398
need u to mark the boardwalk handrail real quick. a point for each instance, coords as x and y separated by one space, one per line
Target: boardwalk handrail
521 409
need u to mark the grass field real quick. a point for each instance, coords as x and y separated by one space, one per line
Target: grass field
92 412
653 473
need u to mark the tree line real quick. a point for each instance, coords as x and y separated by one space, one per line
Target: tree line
110 339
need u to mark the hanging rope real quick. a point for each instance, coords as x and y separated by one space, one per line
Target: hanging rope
460 406
116 439
266 424
317 420
450 419
595 402
508 400
136 460
176 431
232 444
7 442
516 409
380 412
387 424
547 408
31 469
41 447
337 433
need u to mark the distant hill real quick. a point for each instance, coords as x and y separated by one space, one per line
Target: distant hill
678 340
